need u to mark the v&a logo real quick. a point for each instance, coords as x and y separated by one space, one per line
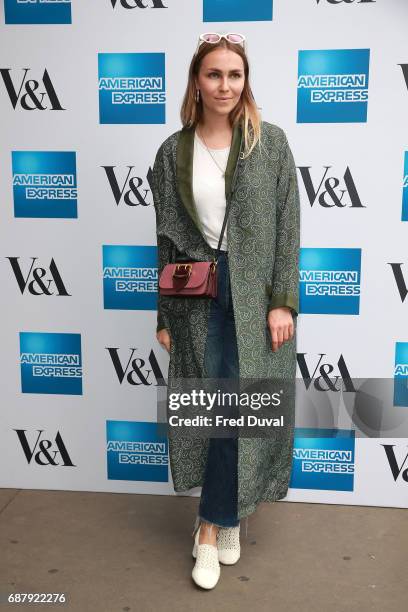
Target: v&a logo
40 284
36 97
48 453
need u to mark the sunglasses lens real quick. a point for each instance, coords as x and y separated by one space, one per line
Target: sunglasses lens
211 38
235 38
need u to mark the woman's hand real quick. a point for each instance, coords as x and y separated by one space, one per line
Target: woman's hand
281 327
163 337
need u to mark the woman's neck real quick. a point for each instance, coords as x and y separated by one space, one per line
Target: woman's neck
215 134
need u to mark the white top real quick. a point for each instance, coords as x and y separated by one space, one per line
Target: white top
209 191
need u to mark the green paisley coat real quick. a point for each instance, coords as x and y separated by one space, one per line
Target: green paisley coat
263 234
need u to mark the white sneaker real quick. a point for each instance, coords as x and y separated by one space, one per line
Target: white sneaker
229 548
206 571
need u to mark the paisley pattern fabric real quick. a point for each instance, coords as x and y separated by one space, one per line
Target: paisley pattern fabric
263 235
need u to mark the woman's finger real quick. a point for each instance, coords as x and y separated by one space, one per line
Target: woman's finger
281 336
277 337
274 337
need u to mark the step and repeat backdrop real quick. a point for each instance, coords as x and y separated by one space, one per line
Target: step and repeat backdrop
88 92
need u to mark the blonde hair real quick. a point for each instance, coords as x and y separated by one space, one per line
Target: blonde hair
245 112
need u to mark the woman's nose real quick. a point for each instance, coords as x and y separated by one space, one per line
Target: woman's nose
224 84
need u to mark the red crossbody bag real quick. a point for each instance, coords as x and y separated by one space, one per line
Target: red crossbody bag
192 278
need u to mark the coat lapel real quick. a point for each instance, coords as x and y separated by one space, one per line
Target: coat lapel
185 155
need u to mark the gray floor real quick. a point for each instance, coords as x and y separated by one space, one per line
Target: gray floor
116 552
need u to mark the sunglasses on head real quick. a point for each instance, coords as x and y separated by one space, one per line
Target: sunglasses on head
215 37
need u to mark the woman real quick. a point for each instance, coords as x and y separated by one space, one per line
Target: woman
225 153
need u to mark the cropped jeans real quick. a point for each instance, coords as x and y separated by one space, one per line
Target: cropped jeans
219 495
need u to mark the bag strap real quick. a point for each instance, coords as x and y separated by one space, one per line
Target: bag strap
223 229
229 199
173 256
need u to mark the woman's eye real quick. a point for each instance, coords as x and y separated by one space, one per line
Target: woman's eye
236 74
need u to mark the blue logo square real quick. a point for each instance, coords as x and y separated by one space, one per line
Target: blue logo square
401 374
237 10
323 459
51 363
37 11
329 281
136 451
333 86
404 215
132 88
130 276
44 184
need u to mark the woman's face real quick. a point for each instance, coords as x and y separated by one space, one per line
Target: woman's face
221 80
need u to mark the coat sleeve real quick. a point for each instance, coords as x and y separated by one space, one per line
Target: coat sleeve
164 244
285 278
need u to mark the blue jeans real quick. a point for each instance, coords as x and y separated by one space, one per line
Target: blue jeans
219 495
